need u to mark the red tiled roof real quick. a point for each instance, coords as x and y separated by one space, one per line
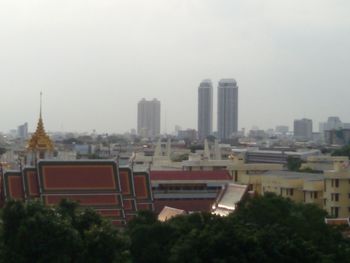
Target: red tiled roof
189 205
190 175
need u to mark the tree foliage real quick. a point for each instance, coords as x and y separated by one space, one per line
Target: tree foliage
293 163
262 229
2 150
34 233
344 151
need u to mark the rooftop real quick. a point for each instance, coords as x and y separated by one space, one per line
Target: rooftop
190 175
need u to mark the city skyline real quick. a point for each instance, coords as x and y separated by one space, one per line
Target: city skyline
93 61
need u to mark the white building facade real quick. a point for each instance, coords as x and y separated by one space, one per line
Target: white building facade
227 108
205 109
148 118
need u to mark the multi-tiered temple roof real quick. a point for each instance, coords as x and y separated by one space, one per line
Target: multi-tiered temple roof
40 141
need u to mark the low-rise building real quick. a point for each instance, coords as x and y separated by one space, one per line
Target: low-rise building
323 162
337 191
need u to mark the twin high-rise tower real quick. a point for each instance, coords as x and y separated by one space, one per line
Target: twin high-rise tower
205 109
227 108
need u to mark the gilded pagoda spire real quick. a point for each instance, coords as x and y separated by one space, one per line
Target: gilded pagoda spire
40 141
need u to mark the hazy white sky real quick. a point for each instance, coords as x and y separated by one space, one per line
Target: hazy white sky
95 59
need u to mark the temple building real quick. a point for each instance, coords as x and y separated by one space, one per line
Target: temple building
40 146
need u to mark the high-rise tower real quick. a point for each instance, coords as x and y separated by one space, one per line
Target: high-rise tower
148 118
205 109
303 129
227 108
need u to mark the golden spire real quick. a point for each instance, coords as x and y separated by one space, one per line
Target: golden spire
40 141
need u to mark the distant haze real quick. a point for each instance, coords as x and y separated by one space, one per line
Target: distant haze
95 59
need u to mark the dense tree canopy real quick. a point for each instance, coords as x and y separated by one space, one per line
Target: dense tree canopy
293 163
344 151
262 229
34 233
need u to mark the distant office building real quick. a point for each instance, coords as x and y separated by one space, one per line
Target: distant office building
22 131
227 108
282 129
257 134
322 127
148 118
333 123
303 129
177 129
205 109
337 137
189 134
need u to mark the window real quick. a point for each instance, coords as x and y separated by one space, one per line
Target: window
290 191
236 176
315 195
335 211
335 197
335 183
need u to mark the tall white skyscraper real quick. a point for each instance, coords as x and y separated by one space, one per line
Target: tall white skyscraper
227 108
205 109
148 118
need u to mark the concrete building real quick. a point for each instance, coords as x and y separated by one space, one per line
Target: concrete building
148 118
274 156
227 108
205 109
22 131
191 191
337 190
333 123
299 187
323 162
189 134
303 129
337 137
282 129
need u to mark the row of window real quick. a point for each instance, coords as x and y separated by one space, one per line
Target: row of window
335 196
335 211
335 182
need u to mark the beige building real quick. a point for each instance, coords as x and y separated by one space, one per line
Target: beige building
329 190
299 187
323 162
337 191
250 173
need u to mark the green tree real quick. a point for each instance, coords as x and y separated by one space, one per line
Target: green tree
2 150
262 229
293 163
344 151
32 232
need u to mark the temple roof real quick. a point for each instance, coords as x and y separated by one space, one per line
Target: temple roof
40 141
